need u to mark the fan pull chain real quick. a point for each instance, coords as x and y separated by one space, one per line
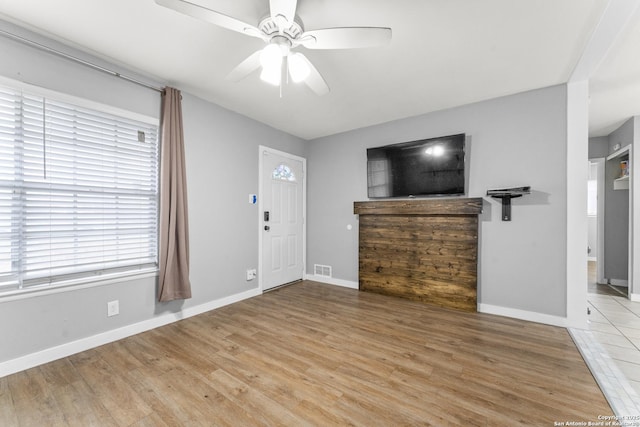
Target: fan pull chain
286 74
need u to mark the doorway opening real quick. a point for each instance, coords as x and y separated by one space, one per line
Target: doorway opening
599 282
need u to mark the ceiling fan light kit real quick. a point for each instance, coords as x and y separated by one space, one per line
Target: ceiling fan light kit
298 67
271 75
283 32
271 62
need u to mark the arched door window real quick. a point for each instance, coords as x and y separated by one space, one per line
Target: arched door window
283 173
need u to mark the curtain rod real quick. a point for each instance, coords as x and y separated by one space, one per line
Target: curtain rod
78 60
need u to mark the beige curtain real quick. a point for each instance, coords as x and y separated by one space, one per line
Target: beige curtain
173 260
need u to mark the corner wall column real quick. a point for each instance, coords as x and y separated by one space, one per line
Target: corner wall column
577 175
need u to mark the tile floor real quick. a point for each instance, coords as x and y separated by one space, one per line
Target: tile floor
615 322
611 348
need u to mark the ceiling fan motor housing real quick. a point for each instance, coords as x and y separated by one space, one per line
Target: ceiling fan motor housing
291 30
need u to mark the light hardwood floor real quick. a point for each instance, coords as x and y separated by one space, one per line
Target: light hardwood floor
314 354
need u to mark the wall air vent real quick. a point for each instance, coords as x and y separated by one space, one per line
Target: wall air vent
322 270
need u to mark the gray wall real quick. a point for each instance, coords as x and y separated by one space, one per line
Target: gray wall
616 210
33 66
598 147
222 164
222 170
512 141
623 135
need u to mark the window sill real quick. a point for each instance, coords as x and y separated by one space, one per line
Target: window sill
76 284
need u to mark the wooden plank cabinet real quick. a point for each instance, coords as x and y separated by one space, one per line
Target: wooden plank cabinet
425 250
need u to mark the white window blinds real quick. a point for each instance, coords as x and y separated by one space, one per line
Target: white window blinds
78 192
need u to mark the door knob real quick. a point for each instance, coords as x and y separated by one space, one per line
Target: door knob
266 228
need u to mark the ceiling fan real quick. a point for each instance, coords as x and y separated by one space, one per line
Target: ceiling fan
283 31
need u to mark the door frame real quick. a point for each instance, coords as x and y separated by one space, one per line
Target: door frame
600 255
262 149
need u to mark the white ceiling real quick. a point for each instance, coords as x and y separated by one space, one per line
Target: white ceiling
615 87
444 53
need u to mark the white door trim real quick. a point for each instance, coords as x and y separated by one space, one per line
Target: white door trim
600 255
262 149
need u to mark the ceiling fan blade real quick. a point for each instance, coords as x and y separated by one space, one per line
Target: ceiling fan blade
245 68
284 8
314 80
345 37
208 15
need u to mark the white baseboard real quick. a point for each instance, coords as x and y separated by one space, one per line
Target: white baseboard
332 281
634 297
54 353
530 316
619 282
483 308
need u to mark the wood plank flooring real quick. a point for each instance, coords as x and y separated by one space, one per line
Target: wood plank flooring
314 354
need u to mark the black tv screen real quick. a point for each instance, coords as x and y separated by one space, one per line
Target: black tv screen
428 167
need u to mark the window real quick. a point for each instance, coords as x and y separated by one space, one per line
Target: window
283 173
592 198
78 192
592 190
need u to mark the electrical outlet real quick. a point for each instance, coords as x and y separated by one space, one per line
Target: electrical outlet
113 308
251 274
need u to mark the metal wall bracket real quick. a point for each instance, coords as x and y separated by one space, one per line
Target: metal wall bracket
505 195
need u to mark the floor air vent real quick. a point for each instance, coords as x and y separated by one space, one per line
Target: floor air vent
322 270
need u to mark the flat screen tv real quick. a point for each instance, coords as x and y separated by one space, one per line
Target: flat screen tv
428 167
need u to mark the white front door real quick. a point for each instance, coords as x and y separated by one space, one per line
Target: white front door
282 193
